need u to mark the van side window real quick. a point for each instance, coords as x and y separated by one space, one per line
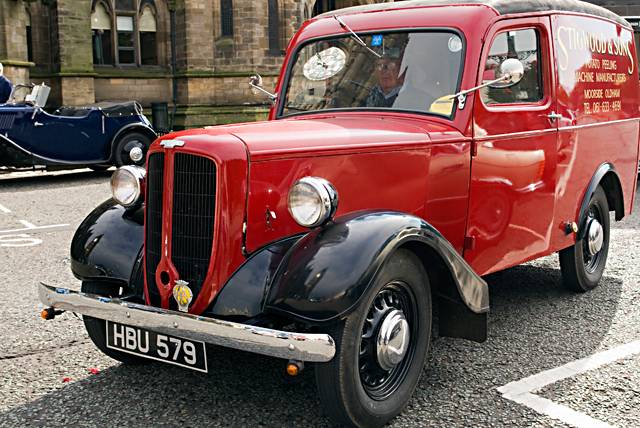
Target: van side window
523 45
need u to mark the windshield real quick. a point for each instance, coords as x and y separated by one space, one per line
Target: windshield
415 71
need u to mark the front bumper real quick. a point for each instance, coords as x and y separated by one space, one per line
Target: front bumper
275 343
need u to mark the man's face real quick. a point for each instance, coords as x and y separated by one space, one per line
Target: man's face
387 71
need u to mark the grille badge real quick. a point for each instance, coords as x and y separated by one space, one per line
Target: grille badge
183 295
170 144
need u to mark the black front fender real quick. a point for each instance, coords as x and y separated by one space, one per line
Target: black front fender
325 273
108 244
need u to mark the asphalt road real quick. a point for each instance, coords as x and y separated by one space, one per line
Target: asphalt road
51 375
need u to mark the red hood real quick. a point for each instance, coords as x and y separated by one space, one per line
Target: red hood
303 136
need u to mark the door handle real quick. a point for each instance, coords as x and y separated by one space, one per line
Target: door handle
553 116
38 124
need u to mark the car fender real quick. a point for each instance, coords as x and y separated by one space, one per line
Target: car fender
326 272
607 176
108 245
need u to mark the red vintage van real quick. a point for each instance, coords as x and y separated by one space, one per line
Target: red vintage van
412 148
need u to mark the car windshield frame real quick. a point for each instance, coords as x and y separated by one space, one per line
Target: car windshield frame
284 88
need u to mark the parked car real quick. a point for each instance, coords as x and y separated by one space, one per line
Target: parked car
413 148
97 136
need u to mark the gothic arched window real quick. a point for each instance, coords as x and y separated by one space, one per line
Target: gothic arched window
124 32
148 42
226 18
275 47
29 37
101 35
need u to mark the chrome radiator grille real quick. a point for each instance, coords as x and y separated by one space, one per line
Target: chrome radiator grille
153 232
192 219
194 204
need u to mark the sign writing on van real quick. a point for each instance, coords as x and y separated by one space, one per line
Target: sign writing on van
595 64
570 39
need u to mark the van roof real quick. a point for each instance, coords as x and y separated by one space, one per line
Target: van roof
502 7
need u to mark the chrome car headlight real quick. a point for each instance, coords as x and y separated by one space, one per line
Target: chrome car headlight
127 185
312 201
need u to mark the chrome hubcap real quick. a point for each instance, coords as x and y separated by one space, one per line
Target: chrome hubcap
393 340
136 154
595 237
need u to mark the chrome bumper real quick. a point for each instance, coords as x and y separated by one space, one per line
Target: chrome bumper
275 343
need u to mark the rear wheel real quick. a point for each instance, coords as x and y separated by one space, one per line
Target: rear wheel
131 149
97 329
583 263
380 348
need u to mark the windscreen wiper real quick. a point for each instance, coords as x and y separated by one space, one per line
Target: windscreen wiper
355 36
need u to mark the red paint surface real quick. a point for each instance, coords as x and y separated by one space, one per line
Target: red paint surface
583 145
230 156
528 177
514 173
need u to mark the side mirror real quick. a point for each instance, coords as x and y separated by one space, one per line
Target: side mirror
255 82
511 72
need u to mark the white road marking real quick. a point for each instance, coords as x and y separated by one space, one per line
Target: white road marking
54 226
521 391
21 240
4 209
26 224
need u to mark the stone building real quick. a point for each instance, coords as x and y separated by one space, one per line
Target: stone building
108 50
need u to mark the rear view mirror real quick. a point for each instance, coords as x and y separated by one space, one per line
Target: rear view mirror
255 82
510 73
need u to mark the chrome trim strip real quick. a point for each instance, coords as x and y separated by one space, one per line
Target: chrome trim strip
37 157
523 134
593 125
265 341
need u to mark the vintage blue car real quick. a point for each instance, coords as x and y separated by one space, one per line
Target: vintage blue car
97 136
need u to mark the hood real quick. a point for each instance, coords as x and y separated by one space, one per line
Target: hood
302 136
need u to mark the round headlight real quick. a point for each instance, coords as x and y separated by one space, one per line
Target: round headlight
312 201
126 185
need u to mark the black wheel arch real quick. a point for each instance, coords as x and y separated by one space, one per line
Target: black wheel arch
316 278
607 177
107 246
326 272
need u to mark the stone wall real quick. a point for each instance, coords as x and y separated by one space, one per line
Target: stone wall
13 41
145 90
76 91
74 37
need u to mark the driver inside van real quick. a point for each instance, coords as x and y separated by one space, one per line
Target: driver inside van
389 79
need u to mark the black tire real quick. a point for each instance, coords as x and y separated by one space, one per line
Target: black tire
581 270
124 146
352 387
97 330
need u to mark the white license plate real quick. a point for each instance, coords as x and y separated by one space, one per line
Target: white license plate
155 346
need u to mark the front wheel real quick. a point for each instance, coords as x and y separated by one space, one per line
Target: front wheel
582 264
131 149
381 347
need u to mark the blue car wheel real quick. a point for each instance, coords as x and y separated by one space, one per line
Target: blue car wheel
131 149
